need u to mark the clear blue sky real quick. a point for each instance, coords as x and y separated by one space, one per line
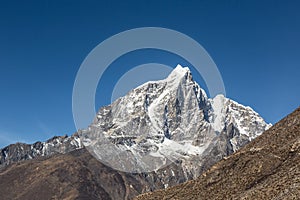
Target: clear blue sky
255 44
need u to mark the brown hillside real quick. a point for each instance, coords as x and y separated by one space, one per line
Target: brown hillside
75 175
266 168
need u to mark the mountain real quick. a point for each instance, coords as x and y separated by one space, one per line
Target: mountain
266 168
160 134
164 121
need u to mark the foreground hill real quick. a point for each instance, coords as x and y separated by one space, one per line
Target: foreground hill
266 168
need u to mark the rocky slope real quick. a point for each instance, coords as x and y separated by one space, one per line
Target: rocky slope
266 168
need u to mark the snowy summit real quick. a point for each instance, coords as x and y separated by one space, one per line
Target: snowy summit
166 120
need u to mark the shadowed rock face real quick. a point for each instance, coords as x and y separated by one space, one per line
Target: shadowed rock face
266 168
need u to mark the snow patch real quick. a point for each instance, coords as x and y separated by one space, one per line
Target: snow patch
218 117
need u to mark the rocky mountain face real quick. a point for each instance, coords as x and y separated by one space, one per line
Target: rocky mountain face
266 168
160 134
170 120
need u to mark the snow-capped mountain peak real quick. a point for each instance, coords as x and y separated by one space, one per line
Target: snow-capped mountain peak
178 72
166 120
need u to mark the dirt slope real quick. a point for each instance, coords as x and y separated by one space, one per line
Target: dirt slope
266 168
